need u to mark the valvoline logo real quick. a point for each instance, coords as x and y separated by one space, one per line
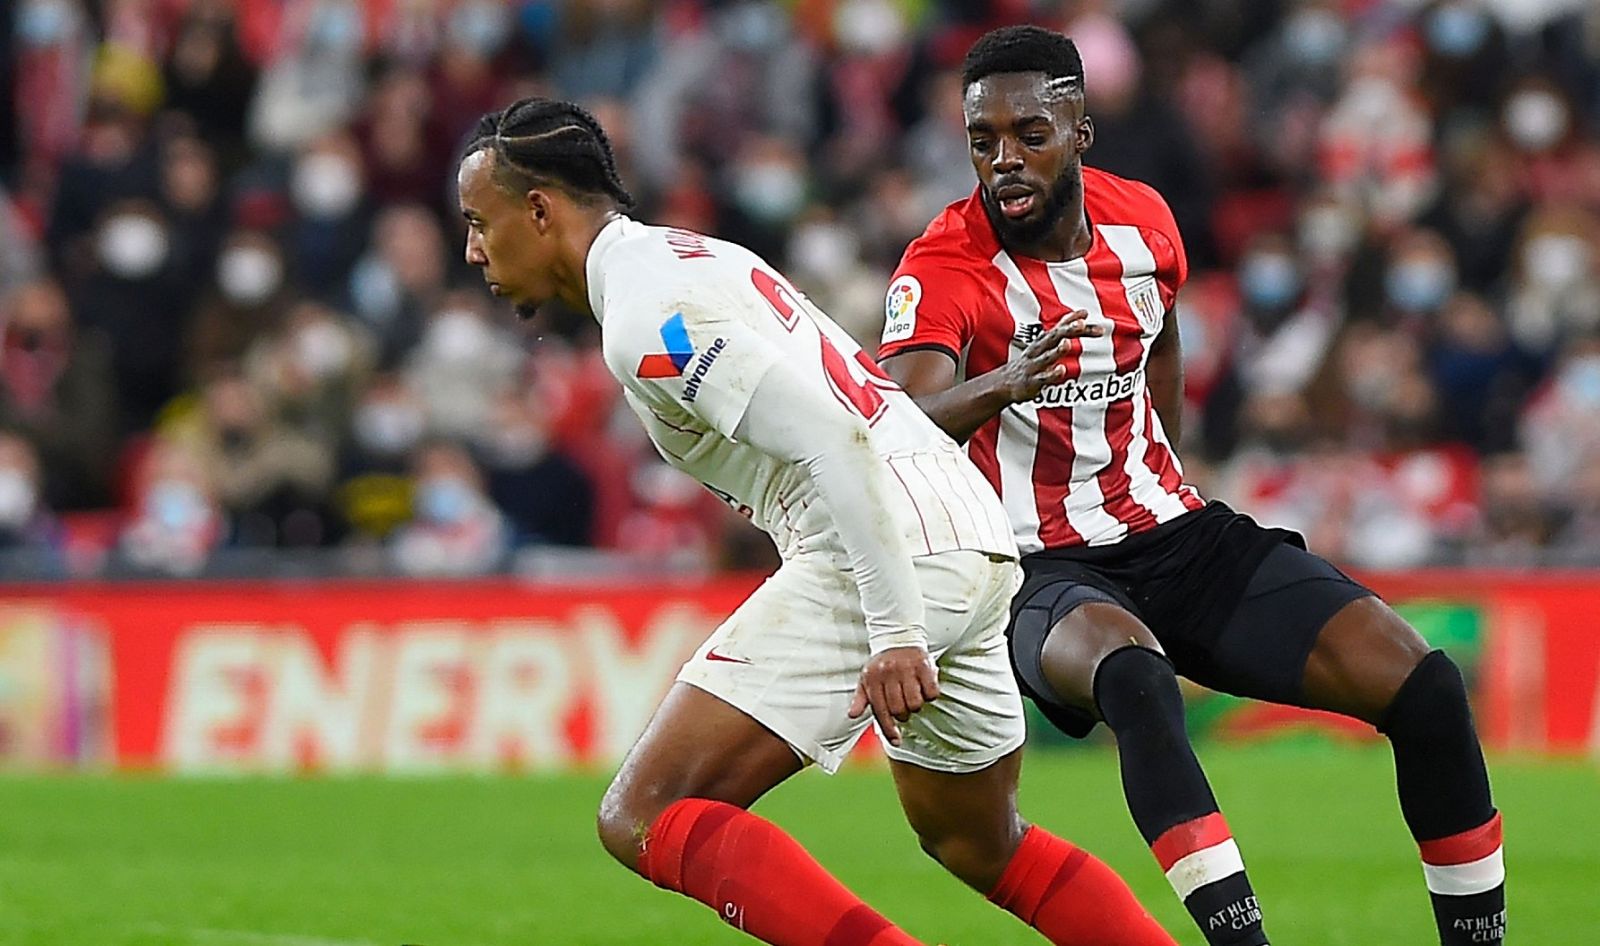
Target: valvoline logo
670 364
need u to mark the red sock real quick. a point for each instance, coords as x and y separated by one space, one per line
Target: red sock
758 879
1072 897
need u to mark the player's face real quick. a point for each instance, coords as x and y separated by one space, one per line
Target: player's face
1027 134
504 236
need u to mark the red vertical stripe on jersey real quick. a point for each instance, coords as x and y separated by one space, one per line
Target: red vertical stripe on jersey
1127 346
1159 459
1055 452
985 352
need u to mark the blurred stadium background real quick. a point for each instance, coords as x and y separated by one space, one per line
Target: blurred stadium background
282 491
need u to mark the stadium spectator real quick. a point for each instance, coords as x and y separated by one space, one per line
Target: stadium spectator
56 390
545 495
30 535
176 521
457 529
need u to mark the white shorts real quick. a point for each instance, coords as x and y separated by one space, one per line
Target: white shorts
791 655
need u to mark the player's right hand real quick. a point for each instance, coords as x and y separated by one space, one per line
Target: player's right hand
1040 365
895 683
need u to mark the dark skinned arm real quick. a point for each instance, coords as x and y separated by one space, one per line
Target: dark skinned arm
960 409
1164 376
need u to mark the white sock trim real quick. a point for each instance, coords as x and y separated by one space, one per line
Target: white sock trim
1464 880
1193 871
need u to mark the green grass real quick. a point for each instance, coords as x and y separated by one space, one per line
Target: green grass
91 861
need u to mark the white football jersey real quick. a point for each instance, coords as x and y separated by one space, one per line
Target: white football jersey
692 325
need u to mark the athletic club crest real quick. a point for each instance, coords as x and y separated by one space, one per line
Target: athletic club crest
1145 298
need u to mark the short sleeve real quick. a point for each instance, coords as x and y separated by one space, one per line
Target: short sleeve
927 307
1172 263
708 366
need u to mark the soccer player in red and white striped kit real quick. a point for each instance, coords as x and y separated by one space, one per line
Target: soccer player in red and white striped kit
1033 321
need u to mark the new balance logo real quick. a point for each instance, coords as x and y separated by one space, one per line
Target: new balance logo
1076 391
1027 334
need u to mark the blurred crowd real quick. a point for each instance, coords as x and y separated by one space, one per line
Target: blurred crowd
234 314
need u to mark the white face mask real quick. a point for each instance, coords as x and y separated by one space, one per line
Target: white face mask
1327 233
387 428
132 246
18 497
825 250
1556 260
249 274
1535 120
325 186
771 191
322 349
868 26
480 27
1580 379
516 448
459 337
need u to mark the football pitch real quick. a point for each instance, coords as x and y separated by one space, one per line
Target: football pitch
130 861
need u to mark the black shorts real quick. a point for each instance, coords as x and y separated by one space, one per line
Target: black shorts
1236 606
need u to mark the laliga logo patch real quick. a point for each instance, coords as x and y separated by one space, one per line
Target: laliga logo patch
670 364
900 308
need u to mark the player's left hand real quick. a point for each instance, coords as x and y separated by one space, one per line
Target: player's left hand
895 683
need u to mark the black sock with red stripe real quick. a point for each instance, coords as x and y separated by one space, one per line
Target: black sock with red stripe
1444 796
1170 799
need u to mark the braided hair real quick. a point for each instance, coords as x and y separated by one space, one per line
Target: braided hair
537 142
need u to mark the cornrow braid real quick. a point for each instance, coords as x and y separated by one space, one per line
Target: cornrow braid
539 141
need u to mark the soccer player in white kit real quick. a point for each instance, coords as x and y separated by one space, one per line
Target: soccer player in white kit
898 565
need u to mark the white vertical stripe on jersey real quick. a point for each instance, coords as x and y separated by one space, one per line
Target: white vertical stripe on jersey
1138 265
1086 511
1018 441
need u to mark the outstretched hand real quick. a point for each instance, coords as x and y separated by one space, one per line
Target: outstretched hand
895 683
1040 365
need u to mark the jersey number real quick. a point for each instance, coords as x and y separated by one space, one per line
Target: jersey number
860 395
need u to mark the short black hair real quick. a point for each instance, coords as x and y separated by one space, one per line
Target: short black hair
539 141
1022 49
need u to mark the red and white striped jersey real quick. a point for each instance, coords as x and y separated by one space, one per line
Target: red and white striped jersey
1086 462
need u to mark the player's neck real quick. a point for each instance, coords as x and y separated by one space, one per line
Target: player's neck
1071 238
572 280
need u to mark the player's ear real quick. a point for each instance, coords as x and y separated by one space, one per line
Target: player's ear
1083 134
539 206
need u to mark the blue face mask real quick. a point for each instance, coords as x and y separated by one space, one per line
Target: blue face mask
1269 281
1418 286
176 506
1581 380
446 501
1457 31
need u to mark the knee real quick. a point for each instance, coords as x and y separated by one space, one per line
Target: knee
1136 688
1431 703
977 858
624 819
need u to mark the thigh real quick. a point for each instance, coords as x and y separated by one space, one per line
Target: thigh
1263 649
1363 656
695 746
1066 620
978 716
789 657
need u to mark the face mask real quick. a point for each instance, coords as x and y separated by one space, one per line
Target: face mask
446 500
374 290
1535 120
1555 260
18 496
1580 379
516 448
480 27
772 192
1314 36
133 246
1269 281
1418 285
325 186
868 26
1456 30
825 250
752 27
335 28
44 22
248 275
459 337
1327 233
321 349
387 428
176 505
